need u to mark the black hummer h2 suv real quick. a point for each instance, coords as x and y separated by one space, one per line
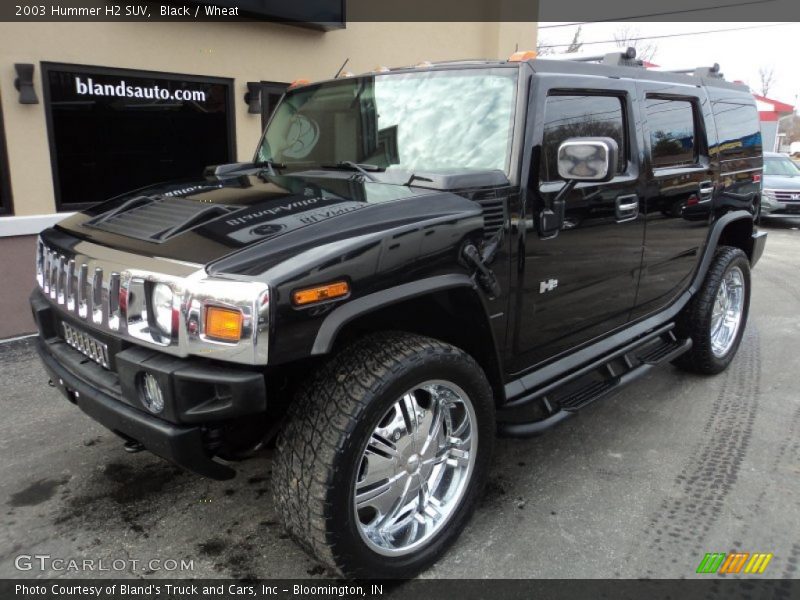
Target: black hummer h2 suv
414 261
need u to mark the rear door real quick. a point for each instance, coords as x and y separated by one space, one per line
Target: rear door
582 283
681 175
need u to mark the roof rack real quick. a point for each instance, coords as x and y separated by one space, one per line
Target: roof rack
712 71
626 58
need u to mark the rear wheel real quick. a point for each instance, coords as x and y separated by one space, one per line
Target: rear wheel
715 319
384 454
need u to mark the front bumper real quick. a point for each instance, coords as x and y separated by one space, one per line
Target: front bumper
775 208
200 396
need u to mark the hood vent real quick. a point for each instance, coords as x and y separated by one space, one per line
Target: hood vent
157 219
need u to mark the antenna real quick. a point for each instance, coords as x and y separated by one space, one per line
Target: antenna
339 72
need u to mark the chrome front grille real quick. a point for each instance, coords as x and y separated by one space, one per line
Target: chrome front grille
109 290
86 345
787 196
69 284
97 290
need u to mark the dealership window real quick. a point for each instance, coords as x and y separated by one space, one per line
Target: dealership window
5 183
114 130
672 132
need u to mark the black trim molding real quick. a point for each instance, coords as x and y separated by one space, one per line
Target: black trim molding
6 203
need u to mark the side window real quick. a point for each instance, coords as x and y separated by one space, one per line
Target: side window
737 129
673 139
567 116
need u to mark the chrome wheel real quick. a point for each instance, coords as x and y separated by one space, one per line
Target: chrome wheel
415 468
726 317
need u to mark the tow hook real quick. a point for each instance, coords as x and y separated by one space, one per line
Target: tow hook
133 447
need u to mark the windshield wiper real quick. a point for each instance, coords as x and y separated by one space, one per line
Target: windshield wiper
270 165
362 168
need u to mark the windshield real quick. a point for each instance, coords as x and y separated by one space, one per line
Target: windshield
780 166
459 119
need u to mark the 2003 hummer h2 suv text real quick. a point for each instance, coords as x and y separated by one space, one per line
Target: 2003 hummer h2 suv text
415 260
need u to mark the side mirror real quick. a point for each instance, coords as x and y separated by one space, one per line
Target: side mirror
587 159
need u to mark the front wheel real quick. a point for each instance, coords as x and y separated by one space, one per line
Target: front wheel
384 454
716 317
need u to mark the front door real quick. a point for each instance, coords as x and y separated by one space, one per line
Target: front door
582 283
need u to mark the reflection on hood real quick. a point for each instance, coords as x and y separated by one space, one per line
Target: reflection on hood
239 210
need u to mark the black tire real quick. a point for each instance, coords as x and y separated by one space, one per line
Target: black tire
695 321
319 450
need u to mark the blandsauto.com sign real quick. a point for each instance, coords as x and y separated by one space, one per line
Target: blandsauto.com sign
88 87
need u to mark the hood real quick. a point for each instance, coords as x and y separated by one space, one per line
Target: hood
781 182
204 220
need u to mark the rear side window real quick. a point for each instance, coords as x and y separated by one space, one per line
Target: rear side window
580 116
737 129
673 139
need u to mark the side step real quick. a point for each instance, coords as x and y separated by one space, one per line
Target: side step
565 396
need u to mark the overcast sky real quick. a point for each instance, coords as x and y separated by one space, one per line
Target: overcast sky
740 53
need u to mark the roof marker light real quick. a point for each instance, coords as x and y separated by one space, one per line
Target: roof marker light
522 56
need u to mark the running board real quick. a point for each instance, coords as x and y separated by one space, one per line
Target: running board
565 396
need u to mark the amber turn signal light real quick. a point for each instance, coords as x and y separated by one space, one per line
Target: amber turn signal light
224 324
320 293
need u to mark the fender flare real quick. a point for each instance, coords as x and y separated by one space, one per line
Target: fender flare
338 318
711 244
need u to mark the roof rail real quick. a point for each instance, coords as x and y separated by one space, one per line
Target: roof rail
626 58
711 72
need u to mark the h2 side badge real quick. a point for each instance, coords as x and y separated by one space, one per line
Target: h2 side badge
548 286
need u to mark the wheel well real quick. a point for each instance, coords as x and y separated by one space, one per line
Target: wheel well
455 316
738 234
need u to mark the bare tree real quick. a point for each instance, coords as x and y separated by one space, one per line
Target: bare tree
766 75
627 37
543 48
575 44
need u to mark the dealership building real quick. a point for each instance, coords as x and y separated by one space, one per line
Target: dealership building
92 109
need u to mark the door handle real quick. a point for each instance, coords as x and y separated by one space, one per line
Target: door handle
627 208
706 188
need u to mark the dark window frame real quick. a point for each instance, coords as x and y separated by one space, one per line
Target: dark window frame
627 134
6 199
699 134
46 67
270 87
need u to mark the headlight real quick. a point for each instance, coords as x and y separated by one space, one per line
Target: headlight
162 307
769 194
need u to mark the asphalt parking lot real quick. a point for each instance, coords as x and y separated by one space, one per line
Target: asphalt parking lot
642 484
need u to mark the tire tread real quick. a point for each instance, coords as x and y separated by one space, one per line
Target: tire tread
321 421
